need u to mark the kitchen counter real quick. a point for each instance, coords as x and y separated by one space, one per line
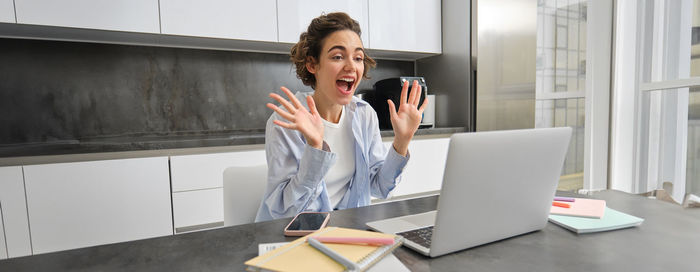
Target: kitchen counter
135 146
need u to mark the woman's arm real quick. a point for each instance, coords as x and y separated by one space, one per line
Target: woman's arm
385 164
386 167
295 171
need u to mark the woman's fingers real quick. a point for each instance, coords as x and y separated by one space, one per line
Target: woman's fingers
284 124
415 93
422 107
312 105
404 93
281 112
292 98
284 103
392 109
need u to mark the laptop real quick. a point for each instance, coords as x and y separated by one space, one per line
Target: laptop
496 185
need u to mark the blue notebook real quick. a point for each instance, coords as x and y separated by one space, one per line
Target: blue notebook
611 220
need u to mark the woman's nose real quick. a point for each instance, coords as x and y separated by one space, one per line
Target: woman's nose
349 65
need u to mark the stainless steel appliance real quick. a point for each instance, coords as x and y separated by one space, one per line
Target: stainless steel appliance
485 77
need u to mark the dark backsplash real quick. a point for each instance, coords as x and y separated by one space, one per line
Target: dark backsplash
62 91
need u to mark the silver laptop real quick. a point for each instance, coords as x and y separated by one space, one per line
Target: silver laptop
496 185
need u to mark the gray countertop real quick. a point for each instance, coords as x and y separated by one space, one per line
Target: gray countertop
17 154
668 240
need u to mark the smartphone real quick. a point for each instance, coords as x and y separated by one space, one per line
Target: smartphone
306 222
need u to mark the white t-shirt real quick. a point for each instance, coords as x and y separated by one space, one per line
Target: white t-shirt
340 139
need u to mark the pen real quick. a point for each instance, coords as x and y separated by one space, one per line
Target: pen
356 240
565 199
349 265
563 205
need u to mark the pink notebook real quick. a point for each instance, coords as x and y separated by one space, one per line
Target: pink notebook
582 207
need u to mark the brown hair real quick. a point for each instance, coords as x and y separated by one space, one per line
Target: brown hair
310 43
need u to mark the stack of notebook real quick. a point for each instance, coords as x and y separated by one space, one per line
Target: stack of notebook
299 255
583 215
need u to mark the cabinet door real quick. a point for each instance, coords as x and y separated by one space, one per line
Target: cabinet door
206 171
424 171
3 247
81 204
230 19
197 182
295 15
14 212
406 25
198 209
122 15
7 11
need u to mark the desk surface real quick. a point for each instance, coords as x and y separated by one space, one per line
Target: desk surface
668 240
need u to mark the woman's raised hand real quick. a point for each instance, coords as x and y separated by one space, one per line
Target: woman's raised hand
406 121
309 123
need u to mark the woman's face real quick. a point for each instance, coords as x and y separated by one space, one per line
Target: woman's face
339 68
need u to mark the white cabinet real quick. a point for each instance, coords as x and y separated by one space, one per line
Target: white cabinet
14 213
392 29
81 204
122 15
7 11
197 184
206 171
295 15
230 19
424 171
3 247
406 25
198 209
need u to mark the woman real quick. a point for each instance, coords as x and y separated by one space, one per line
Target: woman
327 153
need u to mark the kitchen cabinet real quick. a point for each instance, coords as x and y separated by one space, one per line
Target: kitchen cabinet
229 19
424 171
198 209
80 204
197 185
7 11
3 247
14 213
123 15
295 15
206 171
406 25
392 29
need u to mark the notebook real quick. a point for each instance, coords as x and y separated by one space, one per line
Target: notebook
300 256
496 185
612 220
387 263
583 207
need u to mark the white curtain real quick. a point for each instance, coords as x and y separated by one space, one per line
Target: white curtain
649 117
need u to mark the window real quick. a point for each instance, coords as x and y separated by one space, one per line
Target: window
655 126
561 78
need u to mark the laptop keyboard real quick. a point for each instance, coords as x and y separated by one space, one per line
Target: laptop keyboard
420 236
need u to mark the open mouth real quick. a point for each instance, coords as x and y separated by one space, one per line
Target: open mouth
345 85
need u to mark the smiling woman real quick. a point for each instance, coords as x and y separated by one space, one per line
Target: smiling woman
327 153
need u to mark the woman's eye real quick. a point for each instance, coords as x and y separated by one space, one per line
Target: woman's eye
337 57
358 59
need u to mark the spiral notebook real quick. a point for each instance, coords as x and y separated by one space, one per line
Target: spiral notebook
300 256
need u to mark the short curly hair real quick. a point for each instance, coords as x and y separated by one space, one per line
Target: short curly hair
311 42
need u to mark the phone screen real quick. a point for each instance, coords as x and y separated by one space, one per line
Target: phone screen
308 221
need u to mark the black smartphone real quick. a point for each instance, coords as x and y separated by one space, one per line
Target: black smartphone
306 222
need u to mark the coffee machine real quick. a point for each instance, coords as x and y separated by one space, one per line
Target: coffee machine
390 88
